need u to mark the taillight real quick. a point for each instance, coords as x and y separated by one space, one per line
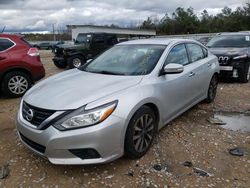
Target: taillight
33 52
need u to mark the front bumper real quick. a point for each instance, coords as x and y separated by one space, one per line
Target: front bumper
107 138
233 68
59 59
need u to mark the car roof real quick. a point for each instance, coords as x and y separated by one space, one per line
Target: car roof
235 33
10 36
157 41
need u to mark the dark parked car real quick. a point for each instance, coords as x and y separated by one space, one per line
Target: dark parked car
204 40
233 52
56 44
86 46
44 46
20 65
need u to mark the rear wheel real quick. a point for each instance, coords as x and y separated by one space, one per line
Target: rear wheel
15 84
212 90
140 133
245 74
60 65
76 61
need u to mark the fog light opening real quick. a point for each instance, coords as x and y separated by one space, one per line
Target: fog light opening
85 153
235 73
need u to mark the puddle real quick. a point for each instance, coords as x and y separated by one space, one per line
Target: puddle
234 121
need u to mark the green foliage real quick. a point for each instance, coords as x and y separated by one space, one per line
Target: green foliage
185 21
46 37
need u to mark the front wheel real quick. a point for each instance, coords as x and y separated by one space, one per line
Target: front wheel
76 61
245 74
212 89
140 133
15 84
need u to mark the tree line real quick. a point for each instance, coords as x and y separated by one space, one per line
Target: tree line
185 21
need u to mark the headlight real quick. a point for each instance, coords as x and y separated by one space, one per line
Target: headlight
83 118
241 56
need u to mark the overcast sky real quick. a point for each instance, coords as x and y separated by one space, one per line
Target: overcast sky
40 15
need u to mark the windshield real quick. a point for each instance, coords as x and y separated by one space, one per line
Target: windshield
83 38
126 60
236 41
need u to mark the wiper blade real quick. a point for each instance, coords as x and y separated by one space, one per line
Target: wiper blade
105 72
111 73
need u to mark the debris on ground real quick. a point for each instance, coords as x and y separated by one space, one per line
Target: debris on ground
4 171
160 167
130 173
216 121
109 177
237 151
157 167
201 172
188 164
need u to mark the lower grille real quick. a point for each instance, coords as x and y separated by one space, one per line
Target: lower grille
35 115
87 153
34 145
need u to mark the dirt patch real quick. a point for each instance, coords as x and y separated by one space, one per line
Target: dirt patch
188 138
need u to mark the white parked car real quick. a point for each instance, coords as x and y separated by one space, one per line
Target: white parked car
115 104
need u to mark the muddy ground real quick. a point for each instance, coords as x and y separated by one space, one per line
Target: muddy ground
188 138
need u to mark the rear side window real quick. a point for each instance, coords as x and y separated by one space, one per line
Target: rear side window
5 44
196 52
178 54
99 40
111 40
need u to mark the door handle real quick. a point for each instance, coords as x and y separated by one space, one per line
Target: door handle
191 74
209 64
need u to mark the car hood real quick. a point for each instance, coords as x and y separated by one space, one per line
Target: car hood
74 88
228 51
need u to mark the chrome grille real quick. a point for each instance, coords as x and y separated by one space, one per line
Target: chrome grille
37 116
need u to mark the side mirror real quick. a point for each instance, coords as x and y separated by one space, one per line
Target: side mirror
173 68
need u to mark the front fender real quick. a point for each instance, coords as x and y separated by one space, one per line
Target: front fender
129 101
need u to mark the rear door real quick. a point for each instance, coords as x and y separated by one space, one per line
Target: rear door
98 44
201 68
176 89
5 46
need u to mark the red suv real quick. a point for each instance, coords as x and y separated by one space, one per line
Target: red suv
20 65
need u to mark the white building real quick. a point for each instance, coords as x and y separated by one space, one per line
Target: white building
121 32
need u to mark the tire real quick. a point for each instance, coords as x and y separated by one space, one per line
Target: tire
134 146
212 89
15 84
245 74
76 61
60 65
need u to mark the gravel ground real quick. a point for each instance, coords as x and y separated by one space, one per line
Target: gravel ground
180 151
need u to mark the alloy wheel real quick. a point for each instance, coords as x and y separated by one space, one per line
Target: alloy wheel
143 132
213 88
77 62
18 85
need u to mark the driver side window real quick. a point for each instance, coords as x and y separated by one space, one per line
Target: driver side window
178 55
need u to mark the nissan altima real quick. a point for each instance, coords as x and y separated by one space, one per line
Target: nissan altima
115 104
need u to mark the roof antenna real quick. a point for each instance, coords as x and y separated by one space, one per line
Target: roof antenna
3 29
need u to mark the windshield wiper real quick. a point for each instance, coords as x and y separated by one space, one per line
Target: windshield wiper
105 72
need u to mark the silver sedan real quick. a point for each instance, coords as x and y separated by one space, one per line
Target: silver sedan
114 105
